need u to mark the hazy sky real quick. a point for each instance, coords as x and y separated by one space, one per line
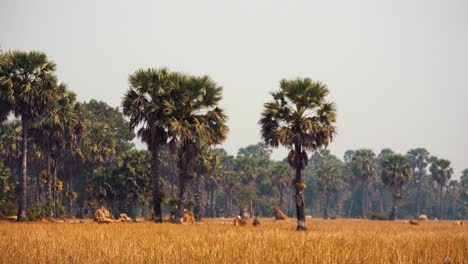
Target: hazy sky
397 69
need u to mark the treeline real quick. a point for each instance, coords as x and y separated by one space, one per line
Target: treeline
60 157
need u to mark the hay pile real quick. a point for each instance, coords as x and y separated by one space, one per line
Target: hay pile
278 214
423 217
188 218
413 222
102 216
239 221
256 222
124 218
12 218
460 223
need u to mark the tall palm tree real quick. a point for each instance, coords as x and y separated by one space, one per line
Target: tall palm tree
364 169
299 118
194 117
59 134
145 104
396 172
28 86
419 160
441 173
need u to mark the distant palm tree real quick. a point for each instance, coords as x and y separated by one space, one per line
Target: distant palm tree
144 103
59 134
364 169
28 89
396 172
194 118
419 160
299 118
441 173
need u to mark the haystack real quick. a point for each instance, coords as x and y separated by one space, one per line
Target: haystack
460 223
188 218
423 217
124 218
12 218
278 214
238 221
256 222
103 216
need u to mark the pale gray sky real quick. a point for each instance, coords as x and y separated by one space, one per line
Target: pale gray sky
397 70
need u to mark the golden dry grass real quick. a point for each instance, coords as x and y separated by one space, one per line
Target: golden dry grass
218 241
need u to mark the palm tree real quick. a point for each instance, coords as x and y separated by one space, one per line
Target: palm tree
441 173
59 134
194 117
396 172
299 118
329 182
364 169
28 86
419 160
144 103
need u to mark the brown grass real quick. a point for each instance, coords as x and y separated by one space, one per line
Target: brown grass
218 241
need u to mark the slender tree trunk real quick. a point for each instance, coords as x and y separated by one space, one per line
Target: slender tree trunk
327 201
363 201
49 186
55 189
281 197
182 194
395 208
198 206
418 200
440 200
299 197
213 203
24 170
70 196
156 187
381 202
38 188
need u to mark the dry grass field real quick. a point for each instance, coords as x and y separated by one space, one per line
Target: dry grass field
218 241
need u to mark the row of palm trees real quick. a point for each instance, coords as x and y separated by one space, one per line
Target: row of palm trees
174 110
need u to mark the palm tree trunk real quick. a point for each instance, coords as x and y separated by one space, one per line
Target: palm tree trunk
23 191
395 208
182 194
281 198
327 201
213 203
70 196
363 201
440 200
418 200
156 187
49 185
197 210
55 189
299 197
381 202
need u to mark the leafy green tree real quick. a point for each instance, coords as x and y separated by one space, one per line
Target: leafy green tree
281 179
28 87
396 172
145 104
364 169
299 118
441 173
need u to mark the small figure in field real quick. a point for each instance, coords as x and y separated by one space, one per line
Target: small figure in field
238 221
413 222
256 222
278 214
